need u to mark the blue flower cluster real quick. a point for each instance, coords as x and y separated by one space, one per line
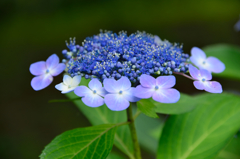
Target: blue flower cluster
111 55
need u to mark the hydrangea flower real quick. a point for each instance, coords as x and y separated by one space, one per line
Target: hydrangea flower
212 64
68 84
44 72
120 61
120 93
111 55
203 82
159 89
92 97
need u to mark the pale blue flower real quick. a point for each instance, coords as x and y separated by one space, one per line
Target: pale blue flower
212 64
44 72
203 82
92 97
120 93
159 89
68 84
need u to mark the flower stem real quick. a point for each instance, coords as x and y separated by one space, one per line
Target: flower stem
183 74
136 146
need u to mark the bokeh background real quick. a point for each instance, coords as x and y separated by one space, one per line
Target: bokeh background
31 31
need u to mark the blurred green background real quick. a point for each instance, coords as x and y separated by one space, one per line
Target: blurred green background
31 31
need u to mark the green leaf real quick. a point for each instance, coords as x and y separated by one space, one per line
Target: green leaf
203 132
232 150
148 131
103 115
114 155
185 104
147 107
229 55
83 143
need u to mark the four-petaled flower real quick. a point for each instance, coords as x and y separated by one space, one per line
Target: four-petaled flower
212 64
44 72
68 84
120 93
202 82
159 89
92 97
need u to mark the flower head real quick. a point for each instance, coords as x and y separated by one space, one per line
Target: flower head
111 55
212 64
159 89
203 82
68 84
44 72
92 96
120 93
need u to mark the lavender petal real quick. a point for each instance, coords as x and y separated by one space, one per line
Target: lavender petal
166 81
213 87
52 61
93 100
198 56
166 95
116 102
142 92
147 81
198 85
194 72
58 69
215 65
205 74
82 91
41 82
38 68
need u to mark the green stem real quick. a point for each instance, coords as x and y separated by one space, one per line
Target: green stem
137 151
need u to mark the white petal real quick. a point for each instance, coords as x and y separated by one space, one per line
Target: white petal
75 81
69 90
67 80
61 87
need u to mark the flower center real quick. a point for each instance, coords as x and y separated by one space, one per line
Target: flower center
203 80
156 87
204 62
47 71
120 92
94 92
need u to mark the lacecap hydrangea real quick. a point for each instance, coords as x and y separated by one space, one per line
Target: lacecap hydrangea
125 69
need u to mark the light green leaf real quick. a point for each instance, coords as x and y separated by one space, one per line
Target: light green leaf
103 115
232 150
147 107
82 143
229 55
203 132
185 104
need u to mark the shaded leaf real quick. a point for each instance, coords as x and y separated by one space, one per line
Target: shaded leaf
147 107
203 132
229 55
148 131
185 104
114 155
83 143
103 115
232 150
